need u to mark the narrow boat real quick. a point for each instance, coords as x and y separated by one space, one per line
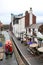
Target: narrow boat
8 48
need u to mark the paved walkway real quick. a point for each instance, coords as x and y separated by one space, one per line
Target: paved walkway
30 59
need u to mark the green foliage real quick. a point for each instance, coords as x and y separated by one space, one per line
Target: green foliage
40 39
2 38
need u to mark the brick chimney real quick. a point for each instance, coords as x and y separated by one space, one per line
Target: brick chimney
26 19
33 19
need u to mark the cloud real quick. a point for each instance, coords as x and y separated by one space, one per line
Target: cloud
5 18
20 6
38 13
39 19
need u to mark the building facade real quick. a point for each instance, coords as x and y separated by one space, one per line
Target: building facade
20 23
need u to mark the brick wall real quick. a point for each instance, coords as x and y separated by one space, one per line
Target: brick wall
33 19
26 19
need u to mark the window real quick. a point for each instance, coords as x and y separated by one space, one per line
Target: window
16 21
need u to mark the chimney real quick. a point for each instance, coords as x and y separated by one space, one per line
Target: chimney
31 9
26 19
26 12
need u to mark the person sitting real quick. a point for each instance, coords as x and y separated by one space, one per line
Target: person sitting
29 41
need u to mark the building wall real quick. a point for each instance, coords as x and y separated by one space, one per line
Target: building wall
33 19
15 29
20 27
22 24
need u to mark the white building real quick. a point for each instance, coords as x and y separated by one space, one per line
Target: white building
20 23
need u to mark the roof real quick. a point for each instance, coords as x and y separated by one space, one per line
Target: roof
18 17
35 25
1 24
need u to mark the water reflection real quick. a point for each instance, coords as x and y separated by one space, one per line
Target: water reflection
11 60
6 35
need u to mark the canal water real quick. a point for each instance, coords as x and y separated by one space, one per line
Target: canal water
11 60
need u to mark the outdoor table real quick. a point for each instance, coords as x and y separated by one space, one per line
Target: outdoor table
40 49
33 45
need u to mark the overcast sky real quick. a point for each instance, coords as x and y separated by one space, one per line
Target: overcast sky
20 6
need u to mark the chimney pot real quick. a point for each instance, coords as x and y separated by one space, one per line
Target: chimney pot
30 8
